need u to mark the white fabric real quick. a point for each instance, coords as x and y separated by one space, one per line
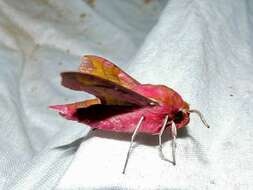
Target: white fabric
202 49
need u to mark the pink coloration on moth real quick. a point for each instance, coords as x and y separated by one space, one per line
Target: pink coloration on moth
121 101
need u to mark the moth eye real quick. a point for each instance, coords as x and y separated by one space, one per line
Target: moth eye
179 116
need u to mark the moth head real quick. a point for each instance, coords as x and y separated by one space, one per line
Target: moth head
181 118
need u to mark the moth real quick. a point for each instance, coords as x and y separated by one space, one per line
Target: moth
123 104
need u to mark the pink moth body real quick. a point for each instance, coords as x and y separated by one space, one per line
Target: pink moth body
101 113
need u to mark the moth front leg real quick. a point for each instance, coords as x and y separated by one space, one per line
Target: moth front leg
131 143
174 134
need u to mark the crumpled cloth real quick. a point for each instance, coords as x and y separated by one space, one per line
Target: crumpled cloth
202 49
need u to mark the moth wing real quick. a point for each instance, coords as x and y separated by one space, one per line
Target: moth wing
109 92
77 105
67 110
98 66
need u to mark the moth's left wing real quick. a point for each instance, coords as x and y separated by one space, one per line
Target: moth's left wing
110 93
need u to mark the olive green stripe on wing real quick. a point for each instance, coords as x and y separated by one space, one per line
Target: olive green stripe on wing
105 69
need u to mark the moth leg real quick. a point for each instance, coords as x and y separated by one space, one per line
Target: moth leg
131 143
174 136
160 139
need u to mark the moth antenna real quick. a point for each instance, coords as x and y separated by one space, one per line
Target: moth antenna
200 116
160 138
131 143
